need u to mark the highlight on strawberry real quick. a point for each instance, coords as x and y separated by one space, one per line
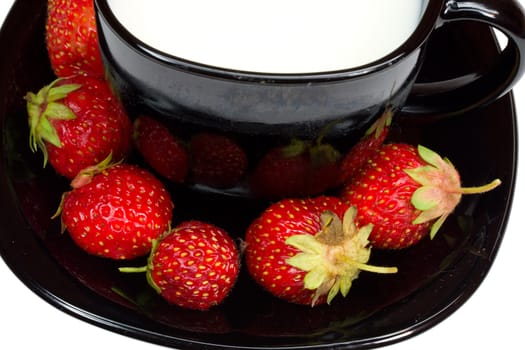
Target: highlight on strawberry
115 210
407 193
194 266
76 122
307 251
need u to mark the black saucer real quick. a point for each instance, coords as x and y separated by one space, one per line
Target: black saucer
435 278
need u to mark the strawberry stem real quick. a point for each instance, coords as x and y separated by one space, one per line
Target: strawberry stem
325 130
371 268
481 189
133 269
147 268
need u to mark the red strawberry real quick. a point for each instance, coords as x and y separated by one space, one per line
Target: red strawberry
116 211
161 149
366 147
325 169
195 266
405 193
306 251
217 160
72 39
281 172
77 123
296 170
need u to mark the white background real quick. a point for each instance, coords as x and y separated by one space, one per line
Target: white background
493 315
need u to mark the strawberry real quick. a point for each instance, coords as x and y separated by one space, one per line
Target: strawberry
406 192
194 266
76 123
324 170
72 38
373 139
296 170
164 152
217 160
306 251
281 172
116 211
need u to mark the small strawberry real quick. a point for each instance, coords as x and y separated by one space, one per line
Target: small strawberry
194 266
306 251
217 160
72 38
406 192
296 170
164 152
116 211
77 123
373 139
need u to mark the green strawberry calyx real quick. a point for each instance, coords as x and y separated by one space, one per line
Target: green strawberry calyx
334 256
383 122
42 108
440 190
323 154
319 152
295 148
85 175
148 268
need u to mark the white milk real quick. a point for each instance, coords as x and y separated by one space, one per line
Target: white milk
275 36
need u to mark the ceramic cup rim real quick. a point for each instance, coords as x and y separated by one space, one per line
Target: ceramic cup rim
416 39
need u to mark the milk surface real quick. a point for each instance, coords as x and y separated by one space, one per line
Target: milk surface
272 36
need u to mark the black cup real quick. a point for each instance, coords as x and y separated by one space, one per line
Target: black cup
264 111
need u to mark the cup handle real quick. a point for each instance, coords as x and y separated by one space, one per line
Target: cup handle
458 96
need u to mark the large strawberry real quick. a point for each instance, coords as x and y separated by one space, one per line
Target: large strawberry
298 169
116 211
77 123
194 266
406 192
358 155
217 160
72 38
164 152
306 251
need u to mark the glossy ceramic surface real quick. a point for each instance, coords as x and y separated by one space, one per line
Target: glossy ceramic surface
261 111
250 102
435 278
301 105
